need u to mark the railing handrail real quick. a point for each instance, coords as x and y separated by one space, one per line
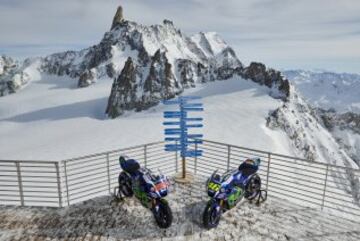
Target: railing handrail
30 161
282 155
112 151
205 140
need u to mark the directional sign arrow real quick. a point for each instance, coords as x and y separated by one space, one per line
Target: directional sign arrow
193 109
172 138
193 119
169 123
194 126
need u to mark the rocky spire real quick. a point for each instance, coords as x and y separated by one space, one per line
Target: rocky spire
118 18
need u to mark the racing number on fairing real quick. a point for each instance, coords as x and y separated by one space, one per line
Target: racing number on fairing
214 186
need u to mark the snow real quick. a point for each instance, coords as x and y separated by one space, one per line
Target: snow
51 119
120 56
210 43
328 90
100 219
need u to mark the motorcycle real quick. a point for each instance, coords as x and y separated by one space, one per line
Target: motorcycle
148 188
228 190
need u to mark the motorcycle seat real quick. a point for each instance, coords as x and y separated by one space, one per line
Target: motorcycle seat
247 169
131 166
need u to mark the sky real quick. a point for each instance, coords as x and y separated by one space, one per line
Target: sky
283 34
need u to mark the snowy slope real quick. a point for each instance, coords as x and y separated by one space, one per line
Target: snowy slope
340 91
52 119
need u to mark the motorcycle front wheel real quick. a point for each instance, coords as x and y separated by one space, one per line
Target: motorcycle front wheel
211 216
163 214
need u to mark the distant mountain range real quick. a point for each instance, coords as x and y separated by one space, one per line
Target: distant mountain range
147 63
328 90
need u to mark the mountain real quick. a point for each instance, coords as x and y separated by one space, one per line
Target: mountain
328 90
335 103
151 63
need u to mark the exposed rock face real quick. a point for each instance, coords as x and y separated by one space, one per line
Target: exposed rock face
12 77
118 18
269 77
160 82
345 127
123 92
87 78
136 88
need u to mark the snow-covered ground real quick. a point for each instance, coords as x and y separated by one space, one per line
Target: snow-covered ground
51 119
98 219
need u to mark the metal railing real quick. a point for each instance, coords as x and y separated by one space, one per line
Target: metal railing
59 184
314 184
30 183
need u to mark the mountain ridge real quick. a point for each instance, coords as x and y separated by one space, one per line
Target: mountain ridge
200 58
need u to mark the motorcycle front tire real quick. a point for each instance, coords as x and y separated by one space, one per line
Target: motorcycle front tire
211 217
163 214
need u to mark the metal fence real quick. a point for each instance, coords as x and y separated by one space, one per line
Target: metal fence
59 184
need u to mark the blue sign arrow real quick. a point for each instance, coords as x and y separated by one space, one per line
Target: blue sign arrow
170 123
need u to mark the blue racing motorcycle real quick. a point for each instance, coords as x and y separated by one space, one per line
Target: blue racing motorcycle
228 190
148 188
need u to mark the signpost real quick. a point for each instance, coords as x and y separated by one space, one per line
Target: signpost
178 123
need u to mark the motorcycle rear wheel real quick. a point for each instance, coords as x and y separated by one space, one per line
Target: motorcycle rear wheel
125 185
253 187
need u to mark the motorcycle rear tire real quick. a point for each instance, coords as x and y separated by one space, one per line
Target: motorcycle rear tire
125 185
253 187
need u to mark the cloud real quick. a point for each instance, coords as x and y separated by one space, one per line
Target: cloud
306 32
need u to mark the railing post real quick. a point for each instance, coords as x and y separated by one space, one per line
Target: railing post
66 184
325 184
268 171
145 149
108 171
195 164
21 191
228 158
58 183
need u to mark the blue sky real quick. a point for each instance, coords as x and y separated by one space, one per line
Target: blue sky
285 34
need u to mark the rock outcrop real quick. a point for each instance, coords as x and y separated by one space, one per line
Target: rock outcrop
345 127
118 18
139 87
87 78
273 79
12 77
